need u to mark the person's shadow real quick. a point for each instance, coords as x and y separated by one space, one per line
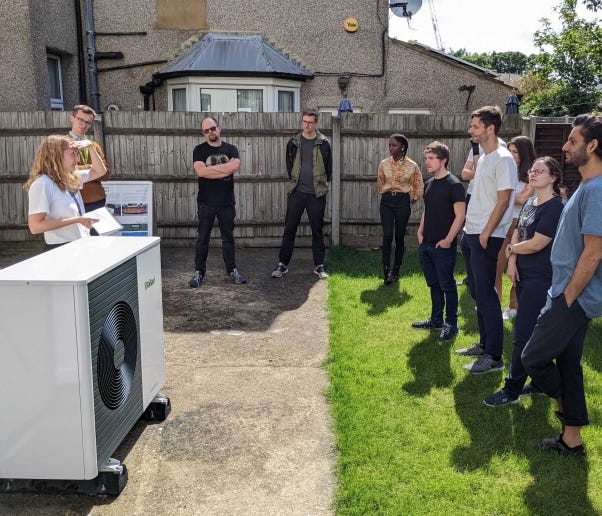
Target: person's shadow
384 297
429 361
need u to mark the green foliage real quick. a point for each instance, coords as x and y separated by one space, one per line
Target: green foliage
412 433
568 71
501 62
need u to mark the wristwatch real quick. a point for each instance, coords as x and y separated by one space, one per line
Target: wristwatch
509 248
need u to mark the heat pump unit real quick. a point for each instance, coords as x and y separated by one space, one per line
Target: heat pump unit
81 354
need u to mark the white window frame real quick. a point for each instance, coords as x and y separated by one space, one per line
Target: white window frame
269 85
56 104
409 111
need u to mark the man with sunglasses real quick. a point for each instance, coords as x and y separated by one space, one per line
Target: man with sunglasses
215 163
93 194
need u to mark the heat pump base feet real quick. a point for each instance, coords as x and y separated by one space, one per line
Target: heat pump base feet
111 480
158 409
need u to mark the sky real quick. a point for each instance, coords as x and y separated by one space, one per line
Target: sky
479 25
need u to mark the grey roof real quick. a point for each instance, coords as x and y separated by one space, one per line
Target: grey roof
218 53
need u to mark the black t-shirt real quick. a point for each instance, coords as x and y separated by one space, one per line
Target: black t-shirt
439 198
541 219
306 172
215 192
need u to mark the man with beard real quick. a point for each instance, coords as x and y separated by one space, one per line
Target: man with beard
215 163
552 357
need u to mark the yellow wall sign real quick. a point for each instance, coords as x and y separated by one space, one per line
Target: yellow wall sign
351 25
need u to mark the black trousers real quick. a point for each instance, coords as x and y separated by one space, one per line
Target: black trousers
225 219
395 212
315 206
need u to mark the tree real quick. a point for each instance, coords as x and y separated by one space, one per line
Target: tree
501 62
568 79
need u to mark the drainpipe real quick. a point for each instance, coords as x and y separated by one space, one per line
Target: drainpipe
92 72
81 64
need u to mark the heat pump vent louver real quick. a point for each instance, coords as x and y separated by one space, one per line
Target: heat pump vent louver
117 354
114 417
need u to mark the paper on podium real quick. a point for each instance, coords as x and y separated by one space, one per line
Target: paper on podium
106 224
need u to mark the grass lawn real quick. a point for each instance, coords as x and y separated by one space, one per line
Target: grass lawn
412 433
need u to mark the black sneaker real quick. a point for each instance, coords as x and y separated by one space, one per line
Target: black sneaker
530 389
476 350
196 280
501 397
557 445
236 277
448 333
279 271
429 324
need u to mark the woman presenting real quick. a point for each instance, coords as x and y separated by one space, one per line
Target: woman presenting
55 203
400 185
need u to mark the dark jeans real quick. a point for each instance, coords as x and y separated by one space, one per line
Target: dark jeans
225 219
395 212
531 294
480 266
297 203
438 265
559 335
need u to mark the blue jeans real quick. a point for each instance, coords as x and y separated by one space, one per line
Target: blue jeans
297 203
395 210
480 266
438 265
531 294
559 335
225 219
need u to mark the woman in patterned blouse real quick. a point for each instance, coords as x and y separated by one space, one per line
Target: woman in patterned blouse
400 185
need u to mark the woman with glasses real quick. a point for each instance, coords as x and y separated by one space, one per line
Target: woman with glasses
56 207
530 270
400 185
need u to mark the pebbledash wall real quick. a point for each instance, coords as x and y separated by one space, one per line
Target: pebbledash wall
157 146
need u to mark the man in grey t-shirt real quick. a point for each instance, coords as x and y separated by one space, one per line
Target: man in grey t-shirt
309 167
552 356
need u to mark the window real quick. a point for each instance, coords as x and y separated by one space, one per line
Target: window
205 102
249 100
286 101
178 99
409 111
55 82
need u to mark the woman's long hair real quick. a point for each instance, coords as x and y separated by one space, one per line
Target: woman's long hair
526 154
49 161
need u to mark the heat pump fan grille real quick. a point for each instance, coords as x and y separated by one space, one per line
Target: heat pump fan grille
117 352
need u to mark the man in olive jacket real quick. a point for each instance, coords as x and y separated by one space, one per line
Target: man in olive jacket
309 167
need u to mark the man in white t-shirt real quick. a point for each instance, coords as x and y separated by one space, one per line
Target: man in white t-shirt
488 219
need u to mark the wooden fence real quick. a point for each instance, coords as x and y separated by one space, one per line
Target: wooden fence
157 146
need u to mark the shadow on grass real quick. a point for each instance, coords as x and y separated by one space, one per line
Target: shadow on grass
429 361
384 297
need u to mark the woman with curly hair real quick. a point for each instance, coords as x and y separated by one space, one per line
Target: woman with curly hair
55 203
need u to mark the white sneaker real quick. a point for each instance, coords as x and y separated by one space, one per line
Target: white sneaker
509 314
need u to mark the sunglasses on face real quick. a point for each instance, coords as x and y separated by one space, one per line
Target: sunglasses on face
210 130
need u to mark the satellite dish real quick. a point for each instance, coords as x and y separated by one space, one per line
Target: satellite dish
405 9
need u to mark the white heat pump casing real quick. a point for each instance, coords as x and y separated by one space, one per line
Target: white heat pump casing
49 428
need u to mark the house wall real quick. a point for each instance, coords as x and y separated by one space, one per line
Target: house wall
30 29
